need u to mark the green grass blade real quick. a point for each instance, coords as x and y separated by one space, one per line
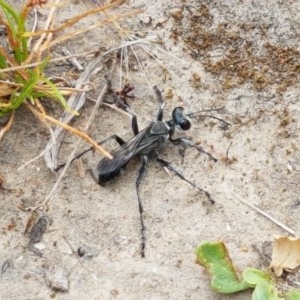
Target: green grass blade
13 19
9 10
17 98
3 63
16 24
56 94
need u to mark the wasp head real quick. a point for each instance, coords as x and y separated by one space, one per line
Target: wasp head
180 119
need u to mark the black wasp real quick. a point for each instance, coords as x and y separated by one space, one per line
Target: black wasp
145 144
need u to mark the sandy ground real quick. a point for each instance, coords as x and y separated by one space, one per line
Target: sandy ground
242 55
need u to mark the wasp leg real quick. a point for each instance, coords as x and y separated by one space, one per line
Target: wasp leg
141 209
165 163
115 137
119 140
162 103
134 125
185 142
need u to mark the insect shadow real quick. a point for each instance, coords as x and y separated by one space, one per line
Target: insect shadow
146 144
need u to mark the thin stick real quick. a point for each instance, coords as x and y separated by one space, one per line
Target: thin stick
159 62
278 223
35 158
58 59
73 61
72 155
71 129
227 152
170 54
140 64
34 26
121 66
84 54
119 110
37 46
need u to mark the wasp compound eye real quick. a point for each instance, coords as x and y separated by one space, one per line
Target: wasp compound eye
180 119
185 124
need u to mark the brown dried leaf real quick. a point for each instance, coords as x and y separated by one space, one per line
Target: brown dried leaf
286 254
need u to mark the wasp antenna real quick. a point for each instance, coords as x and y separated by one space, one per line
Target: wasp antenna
199 114
192 114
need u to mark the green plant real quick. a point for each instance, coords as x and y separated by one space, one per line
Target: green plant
22 79
214 257
21 85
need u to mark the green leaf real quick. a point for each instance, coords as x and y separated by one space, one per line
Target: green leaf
215 258
292 295
254 276
265 291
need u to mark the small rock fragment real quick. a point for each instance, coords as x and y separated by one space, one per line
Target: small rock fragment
38 229
6 265
56 278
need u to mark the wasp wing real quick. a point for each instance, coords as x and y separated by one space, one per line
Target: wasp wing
121 156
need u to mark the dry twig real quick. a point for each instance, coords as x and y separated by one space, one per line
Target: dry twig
278 223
